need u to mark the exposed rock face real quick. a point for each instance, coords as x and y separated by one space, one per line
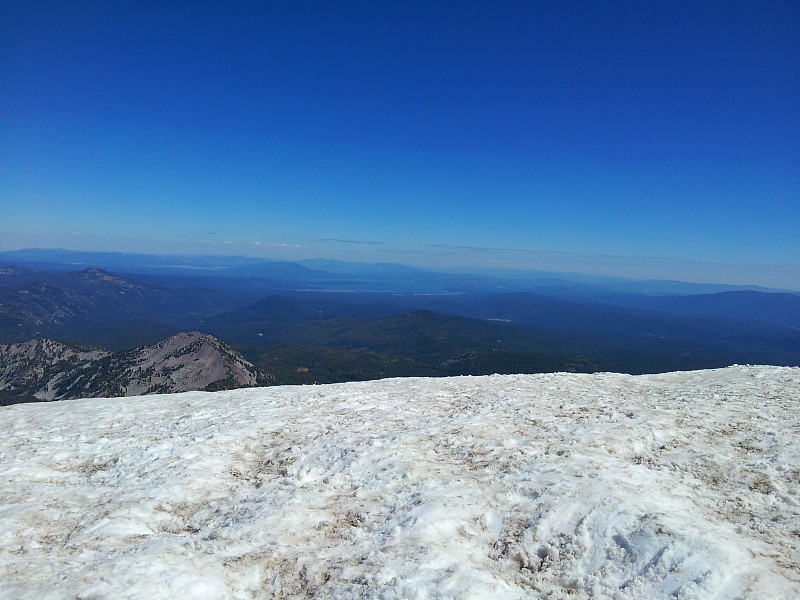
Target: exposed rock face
187 362
51 370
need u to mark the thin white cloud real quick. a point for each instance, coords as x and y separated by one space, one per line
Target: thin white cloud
277 245
341 241
495 250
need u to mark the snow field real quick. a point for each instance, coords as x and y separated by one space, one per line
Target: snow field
683 485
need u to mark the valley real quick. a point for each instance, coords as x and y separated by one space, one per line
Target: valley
298 324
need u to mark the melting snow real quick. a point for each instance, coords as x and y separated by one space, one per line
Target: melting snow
683 485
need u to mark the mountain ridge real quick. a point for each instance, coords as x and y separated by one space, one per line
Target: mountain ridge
317 269
45 369
352 335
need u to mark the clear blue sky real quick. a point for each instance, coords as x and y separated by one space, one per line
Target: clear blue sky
655 139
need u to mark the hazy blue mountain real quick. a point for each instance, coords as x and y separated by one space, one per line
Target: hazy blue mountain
330 275
92 304
777 308
357 323
357 268
120 261
628 339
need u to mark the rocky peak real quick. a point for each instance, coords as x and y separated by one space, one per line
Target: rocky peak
50 370
189 361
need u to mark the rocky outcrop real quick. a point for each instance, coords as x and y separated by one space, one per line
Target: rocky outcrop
187 362
51 370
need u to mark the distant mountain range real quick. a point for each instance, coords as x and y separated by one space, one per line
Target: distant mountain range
45 369
97 307
320 323
334 275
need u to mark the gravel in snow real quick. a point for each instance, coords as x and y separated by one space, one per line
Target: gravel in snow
681 485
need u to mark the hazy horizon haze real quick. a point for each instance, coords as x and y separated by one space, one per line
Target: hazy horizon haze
644 140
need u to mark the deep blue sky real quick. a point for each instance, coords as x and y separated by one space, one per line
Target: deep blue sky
651 139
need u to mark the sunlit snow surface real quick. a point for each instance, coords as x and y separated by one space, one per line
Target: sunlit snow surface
682 485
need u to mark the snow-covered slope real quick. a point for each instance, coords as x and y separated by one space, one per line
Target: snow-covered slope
683 485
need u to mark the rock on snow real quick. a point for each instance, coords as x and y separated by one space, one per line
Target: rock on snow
683 485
